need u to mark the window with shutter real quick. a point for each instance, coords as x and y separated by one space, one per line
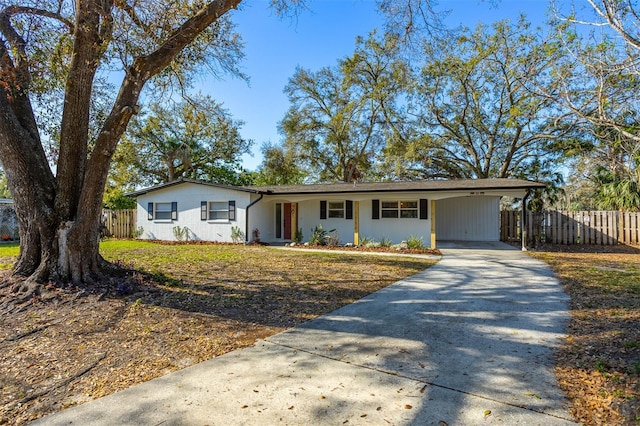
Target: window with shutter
219 210
162 211
336 209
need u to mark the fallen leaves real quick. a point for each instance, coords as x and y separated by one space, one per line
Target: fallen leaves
599 365
211 299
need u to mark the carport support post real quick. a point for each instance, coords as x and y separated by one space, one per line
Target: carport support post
524 235
356 223
433 224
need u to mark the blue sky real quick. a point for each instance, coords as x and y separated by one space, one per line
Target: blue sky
318 38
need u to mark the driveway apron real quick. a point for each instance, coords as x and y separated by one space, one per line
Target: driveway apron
468 341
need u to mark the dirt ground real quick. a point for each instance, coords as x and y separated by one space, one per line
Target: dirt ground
598 367
71 346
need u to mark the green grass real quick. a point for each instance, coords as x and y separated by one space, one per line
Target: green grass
9 249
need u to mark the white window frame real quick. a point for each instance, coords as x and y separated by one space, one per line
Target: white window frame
211 210
414 211
157 210
399 209
336 209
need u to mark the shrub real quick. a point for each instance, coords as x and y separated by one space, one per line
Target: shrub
181 233
414 242
237 236
333 239
367 242
298 237
385 242
137 233
319 236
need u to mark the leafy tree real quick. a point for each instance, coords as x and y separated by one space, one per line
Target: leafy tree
278 167
607 173
476 109
601 82
338 116
62 48
115 199
196 139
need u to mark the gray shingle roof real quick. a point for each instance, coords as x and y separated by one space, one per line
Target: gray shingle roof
425 185
183 180
337 188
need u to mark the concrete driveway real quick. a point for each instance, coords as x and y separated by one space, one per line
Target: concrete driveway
468 341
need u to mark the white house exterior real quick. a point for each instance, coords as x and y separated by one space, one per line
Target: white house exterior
431 210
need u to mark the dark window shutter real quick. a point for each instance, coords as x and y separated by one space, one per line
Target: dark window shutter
423 208
375 209
203 210
348 209
150 211
174 210
232 210
323 209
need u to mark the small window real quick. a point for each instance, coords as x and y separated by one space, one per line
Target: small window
389 209
162 211
219 210
409 209
399 209
336 209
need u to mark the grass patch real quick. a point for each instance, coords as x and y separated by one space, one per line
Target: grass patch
598 366
9 249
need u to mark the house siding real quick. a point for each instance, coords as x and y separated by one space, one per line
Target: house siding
309 218
188 198
459 214
468 219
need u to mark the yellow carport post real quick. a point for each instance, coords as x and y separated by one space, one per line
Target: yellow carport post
356 223
433 224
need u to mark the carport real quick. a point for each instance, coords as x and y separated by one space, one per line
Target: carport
474 215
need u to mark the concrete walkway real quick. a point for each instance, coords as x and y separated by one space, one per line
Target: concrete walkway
469 341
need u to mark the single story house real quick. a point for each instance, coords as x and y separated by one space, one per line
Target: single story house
463 210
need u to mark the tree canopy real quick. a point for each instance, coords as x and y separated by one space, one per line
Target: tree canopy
600 85
476 111
196 139
336 123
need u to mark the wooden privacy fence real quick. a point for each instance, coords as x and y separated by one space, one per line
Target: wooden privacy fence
567 227
119 223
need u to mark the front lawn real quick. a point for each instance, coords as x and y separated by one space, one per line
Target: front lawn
191 302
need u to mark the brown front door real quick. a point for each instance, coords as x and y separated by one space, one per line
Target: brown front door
287 221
